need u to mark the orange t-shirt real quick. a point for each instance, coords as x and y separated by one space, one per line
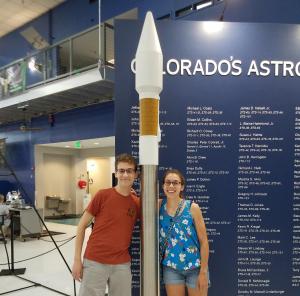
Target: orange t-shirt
115 216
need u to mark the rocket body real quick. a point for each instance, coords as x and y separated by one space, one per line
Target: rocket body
148 83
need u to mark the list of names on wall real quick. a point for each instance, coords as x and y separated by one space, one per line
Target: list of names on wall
241 149
296 205
207 132
259 243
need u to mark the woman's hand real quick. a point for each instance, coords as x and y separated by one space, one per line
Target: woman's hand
132 191
203 283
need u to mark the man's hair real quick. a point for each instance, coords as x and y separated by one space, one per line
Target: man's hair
124 157
2 198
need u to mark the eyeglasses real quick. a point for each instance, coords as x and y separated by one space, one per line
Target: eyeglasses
174 183
127 171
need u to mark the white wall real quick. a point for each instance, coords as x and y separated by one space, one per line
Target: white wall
100 174
58 171
79 174
57 175
53 176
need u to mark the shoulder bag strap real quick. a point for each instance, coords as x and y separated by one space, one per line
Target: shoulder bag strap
163 248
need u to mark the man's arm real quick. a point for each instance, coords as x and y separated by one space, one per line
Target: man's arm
82 225
204 249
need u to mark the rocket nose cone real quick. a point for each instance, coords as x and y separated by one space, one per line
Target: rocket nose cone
149 39
149 61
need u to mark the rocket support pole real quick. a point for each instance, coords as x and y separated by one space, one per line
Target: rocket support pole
148 84
149 232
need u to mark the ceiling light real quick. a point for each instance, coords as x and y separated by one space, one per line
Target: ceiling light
25 106
203 5
213 27
31 65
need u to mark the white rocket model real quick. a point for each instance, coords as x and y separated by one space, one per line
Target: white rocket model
148 83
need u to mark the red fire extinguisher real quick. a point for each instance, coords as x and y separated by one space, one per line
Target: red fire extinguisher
82 184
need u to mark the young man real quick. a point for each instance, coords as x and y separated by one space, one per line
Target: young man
106 258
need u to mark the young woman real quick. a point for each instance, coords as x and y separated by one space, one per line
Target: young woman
183 240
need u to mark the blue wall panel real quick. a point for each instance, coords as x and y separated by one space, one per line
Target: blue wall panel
72 17
267 11
84 123
19 155
14 46
235 136
158 8
111 9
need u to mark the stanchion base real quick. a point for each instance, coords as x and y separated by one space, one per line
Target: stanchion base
18 271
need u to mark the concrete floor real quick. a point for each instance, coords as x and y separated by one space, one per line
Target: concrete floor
49 270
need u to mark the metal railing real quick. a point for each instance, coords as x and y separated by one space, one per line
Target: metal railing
71 56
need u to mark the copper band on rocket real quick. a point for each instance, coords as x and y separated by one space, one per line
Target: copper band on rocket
149 117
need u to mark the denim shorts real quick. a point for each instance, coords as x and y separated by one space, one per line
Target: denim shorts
173 276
